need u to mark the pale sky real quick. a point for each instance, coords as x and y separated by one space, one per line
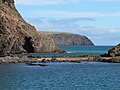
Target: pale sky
97 19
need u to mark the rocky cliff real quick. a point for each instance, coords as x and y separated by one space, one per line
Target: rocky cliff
115 51
17 36
68 38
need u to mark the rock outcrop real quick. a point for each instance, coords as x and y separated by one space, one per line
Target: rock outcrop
115 51
17 36
68 38
9 3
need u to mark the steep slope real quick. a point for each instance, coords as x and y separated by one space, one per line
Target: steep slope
115 51
68 38
17 36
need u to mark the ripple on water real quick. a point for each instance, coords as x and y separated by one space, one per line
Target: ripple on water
60 76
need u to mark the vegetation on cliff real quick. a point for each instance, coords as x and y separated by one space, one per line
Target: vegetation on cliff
68 38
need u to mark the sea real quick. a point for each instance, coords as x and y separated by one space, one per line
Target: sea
75 51
63 75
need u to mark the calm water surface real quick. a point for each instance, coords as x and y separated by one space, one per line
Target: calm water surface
60 76
76 51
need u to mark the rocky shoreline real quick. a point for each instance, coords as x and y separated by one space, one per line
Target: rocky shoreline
77 59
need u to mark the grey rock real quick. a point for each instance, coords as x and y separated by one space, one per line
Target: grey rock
68 38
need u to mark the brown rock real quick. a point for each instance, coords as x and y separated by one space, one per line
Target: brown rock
17 36
115 51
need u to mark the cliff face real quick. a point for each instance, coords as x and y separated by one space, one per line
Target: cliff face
69 39
115 51
17 36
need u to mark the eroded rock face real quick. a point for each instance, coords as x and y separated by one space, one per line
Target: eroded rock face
17 36
115 51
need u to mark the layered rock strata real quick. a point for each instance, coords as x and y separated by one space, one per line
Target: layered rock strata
17 36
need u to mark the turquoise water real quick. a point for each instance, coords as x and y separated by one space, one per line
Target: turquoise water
63 76
76 51
95 50
60 76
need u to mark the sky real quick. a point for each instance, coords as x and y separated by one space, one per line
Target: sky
96 19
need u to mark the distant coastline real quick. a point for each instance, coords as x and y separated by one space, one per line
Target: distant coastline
66 38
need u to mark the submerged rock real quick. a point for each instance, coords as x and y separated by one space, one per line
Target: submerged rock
17 36
36 64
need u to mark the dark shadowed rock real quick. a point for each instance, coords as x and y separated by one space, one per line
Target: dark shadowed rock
115 51
105 55
36 64
68 38
17 36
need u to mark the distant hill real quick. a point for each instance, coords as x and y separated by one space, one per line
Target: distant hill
68 38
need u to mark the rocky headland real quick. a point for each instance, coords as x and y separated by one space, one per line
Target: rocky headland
61 38
17 36
115 51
